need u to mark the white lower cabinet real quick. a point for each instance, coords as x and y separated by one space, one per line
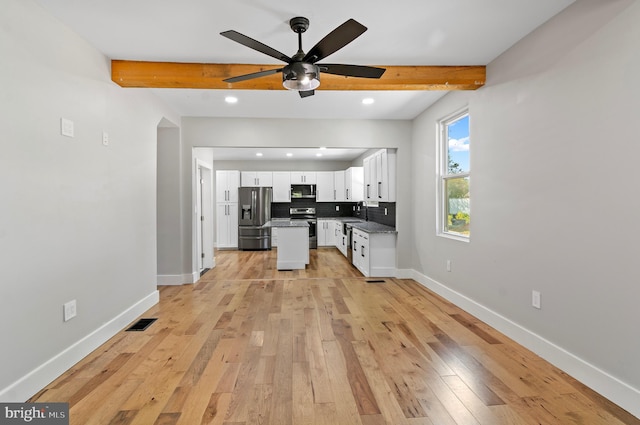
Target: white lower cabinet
227 225
325 230
374 254
341 239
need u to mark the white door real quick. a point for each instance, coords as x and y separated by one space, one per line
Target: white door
199 246
204 216
207 214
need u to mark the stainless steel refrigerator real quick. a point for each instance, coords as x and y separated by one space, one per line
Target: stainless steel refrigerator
254 211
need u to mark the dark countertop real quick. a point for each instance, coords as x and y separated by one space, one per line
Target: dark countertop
343 219
285 222
372 227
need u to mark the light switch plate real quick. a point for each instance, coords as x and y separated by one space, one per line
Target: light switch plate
66 127
536 299
69 310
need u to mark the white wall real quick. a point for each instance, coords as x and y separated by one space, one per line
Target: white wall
169 212
241 132
77 219
554 149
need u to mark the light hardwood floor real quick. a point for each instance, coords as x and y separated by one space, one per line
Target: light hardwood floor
248 344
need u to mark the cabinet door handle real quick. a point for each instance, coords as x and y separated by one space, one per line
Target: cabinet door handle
368 187
347 197
334 194
379 189
362 250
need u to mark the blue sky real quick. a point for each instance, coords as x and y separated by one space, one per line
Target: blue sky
459 142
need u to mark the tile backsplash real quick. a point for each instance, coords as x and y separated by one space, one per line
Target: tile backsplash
346 209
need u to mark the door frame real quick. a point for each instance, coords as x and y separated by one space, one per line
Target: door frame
204 229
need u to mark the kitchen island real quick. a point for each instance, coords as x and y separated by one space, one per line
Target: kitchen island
293 243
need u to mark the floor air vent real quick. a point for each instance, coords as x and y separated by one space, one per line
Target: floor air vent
204 271
376 281
141 324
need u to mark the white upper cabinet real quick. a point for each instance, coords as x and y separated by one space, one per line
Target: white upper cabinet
354 184
380 176
227 183
281 186
324 186
369 179
303 177
257 178
339 186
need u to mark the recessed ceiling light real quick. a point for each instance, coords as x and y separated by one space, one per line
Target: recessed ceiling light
322 148
231 99
259 154
318 154
289 154
367 101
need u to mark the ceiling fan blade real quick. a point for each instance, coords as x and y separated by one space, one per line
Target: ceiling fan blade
306 93
352 70
252 75
255 45
335 40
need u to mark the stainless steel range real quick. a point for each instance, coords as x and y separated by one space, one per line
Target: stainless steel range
309 215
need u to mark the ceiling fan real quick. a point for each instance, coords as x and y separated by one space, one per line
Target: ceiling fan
302 72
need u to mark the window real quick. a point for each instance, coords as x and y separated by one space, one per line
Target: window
454 211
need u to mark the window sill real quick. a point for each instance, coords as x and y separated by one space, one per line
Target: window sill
454 237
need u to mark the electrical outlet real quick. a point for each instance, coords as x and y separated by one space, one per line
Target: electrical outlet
337 207
385 211
69 310
105 138
448 265
535 299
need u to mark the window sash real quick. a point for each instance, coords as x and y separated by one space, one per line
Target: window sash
444 176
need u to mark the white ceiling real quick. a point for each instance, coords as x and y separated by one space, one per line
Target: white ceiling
403 32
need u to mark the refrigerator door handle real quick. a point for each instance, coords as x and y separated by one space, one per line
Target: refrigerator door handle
254 195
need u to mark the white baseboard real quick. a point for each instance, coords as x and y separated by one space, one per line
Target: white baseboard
176 279
404 273
599 380
34 381
383 272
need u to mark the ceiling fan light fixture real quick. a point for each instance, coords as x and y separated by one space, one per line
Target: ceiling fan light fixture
301 76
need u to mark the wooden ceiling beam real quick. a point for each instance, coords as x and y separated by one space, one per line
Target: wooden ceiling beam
210 76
